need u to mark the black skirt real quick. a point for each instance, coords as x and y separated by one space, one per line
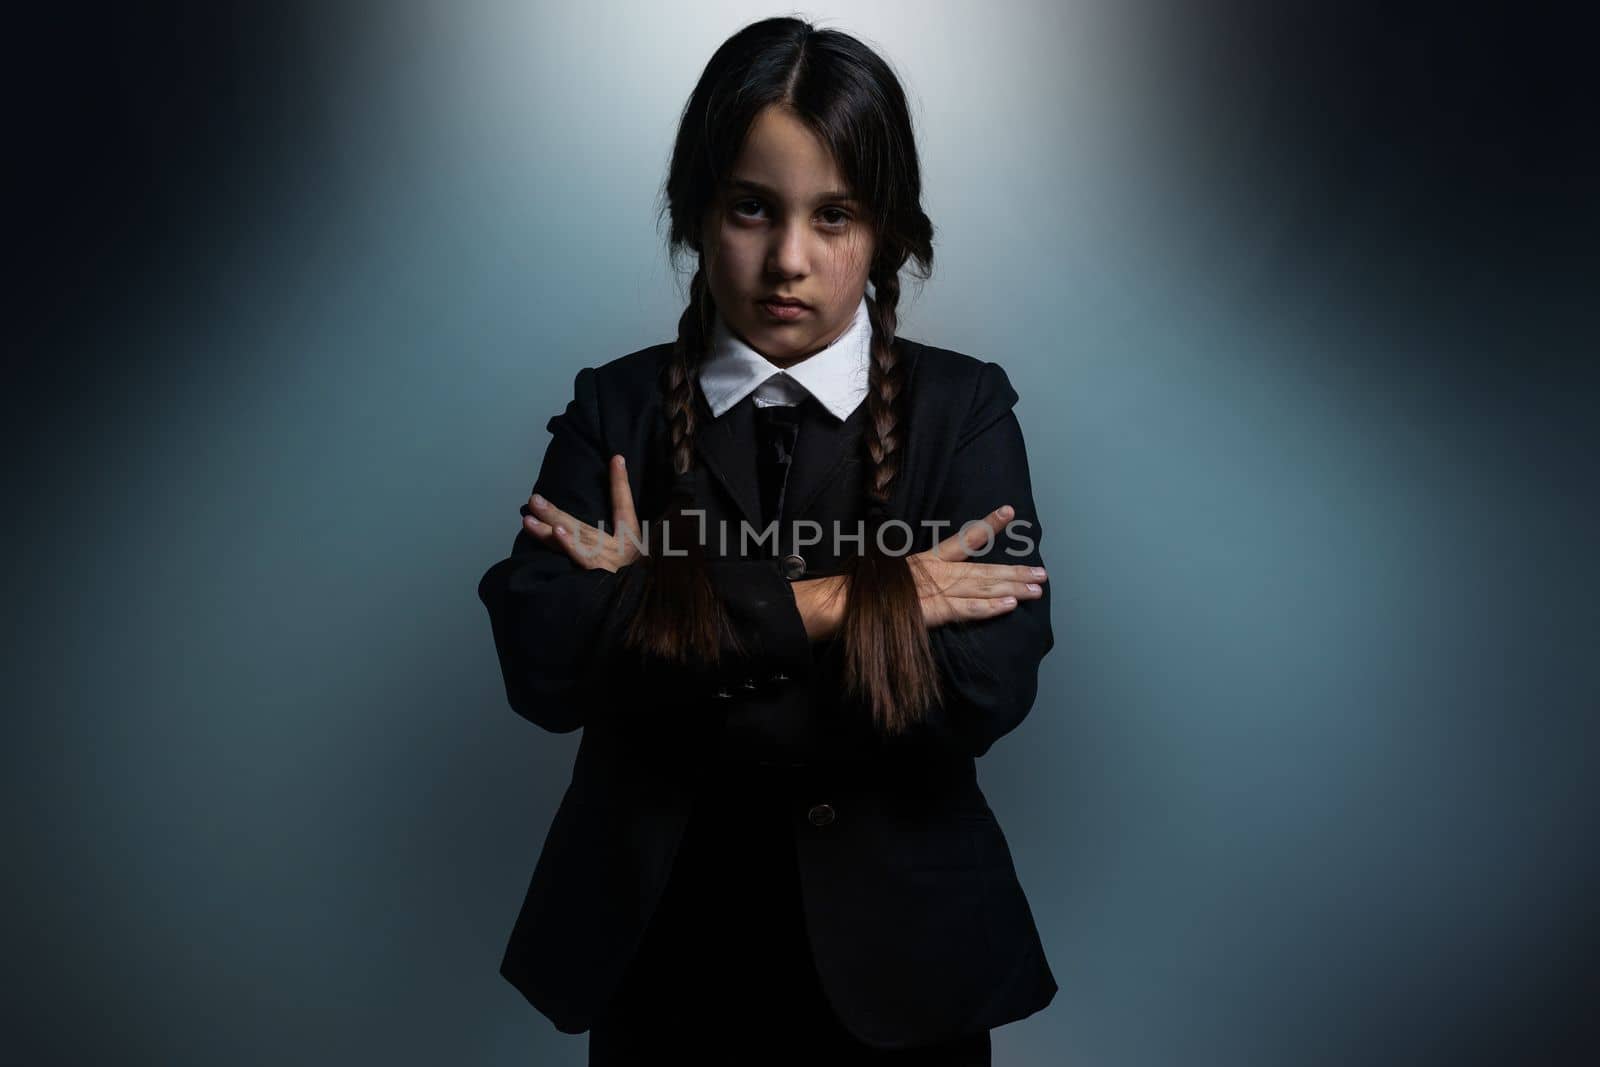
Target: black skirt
724 973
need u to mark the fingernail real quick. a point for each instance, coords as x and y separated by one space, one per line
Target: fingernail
1032 588
1008 600
1038 572
538 501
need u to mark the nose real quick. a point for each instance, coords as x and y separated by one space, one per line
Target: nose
788 256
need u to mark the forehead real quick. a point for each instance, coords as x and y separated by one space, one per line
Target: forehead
782 154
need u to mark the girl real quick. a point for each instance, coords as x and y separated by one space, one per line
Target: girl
773 848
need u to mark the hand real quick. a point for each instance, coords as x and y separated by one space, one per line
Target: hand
590 547
953 590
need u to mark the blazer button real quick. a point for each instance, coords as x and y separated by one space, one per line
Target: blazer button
778 676
820 814
723 693
794 566
749 684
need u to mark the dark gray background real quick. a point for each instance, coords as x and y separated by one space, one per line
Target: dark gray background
1300 307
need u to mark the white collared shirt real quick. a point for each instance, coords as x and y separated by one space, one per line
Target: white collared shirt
836 376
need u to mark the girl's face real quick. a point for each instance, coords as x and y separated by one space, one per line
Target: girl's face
785 225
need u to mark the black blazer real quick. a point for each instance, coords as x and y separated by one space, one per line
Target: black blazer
918 926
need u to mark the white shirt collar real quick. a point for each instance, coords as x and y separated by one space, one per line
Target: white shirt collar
836 376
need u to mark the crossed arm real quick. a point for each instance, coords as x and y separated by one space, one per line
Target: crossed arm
559 603
559 623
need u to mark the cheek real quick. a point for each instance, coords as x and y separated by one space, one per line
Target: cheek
737 253
863 251
851 260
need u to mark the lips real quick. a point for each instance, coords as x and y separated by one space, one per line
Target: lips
784 312
783 301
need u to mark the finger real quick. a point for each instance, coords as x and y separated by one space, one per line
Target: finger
551 515
560 538
974 577
578 539
982 588
587 542
542 530
622 513
578 533
587 546
969 609
972 537
985 607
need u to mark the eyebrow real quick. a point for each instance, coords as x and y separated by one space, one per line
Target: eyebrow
832 194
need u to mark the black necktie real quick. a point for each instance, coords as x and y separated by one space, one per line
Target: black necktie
777 427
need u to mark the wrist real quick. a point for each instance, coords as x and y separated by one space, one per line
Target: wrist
822 604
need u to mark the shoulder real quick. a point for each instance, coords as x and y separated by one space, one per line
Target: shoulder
627 381
970 392
620 389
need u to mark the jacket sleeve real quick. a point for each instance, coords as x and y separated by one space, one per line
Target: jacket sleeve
989 668
558 627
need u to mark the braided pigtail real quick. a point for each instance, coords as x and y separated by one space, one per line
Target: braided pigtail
888 658
680 619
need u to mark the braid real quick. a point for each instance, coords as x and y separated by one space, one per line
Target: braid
678 373
680 618
885 383
889 660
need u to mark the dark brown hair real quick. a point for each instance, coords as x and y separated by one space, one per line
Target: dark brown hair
855 105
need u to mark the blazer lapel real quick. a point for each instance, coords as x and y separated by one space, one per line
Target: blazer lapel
826 444
727 446
820 452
